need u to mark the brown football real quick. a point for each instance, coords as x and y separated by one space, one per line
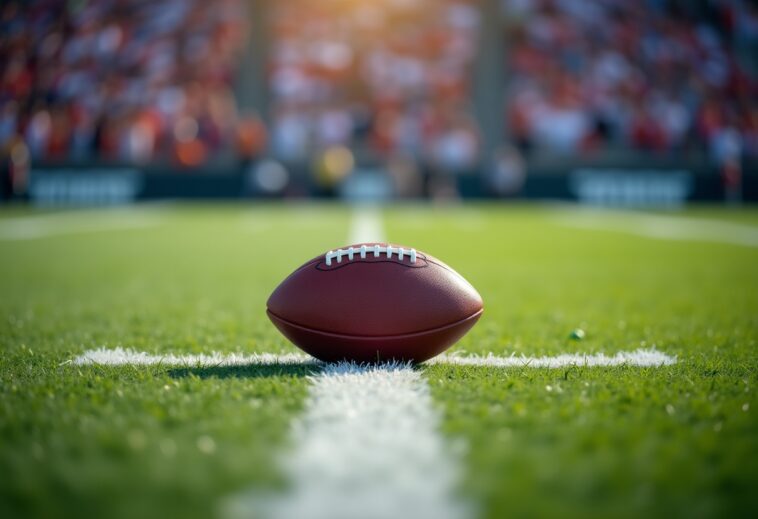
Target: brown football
374 302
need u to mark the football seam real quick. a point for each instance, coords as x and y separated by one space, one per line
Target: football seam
333 267
475 315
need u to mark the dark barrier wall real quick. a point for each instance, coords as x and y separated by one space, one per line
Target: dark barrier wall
695 188
195 185
105 184
640 182
695 178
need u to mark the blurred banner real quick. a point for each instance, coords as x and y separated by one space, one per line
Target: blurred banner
644 186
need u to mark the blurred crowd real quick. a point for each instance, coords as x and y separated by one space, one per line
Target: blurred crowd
654 75
136 81
121 80
387 79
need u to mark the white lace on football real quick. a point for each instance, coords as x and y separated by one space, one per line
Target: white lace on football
377 250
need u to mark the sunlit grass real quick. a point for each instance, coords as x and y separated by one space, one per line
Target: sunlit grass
158 441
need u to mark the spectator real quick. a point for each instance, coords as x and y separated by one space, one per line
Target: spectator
656 76
113 79
371 79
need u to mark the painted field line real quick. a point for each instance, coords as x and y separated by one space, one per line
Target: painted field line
661 227
75 222
638 358
366 446
128 357
366 225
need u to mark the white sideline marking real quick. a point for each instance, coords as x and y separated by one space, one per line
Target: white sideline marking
73 222
366 446
640 357
366 225
127 357
662 227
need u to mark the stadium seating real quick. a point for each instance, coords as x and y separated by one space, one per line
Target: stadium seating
660 76
139 82
125 81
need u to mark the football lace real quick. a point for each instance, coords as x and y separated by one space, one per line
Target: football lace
350 252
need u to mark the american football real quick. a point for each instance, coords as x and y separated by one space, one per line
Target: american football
374 302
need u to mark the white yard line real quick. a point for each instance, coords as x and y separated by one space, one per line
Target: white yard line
366 225
75 222
661 227
639 358
366 446
368 442
128 357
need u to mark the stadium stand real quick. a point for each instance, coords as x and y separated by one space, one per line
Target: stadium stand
381 79
386 86
121 80
657 76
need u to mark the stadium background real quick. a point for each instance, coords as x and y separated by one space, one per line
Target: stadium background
612 101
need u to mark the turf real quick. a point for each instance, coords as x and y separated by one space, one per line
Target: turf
155 441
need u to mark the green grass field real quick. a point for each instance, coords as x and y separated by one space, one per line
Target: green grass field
675 441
